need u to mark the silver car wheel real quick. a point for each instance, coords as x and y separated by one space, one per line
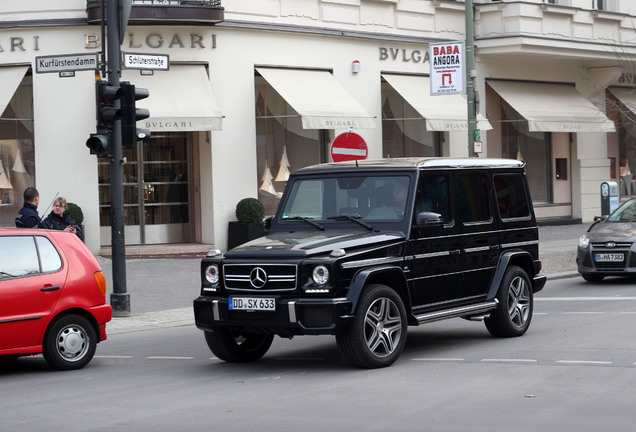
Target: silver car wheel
383 327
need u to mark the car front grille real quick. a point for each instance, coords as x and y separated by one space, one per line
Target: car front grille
260 277
622 248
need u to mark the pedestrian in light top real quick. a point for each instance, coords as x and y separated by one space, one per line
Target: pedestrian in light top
28 216
59 219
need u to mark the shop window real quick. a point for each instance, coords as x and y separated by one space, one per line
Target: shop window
561 167
533 148
17 159
282 144
404 131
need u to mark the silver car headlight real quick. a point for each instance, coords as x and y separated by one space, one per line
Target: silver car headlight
584 242
320 275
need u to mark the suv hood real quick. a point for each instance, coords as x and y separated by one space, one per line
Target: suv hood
307 243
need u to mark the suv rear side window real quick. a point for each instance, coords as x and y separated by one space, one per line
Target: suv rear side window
472 193
512 200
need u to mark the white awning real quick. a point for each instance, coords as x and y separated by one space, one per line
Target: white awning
442 113
553 107
10 77
181 99
321 101
627 96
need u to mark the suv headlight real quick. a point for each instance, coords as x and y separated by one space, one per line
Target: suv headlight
584 242
320 275
212 274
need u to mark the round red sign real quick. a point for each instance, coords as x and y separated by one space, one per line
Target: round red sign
348 146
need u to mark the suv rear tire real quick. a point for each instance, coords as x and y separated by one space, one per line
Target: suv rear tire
377 334
238 347
512 316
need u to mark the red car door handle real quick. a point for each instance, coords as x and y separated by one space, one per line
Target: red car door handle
50 288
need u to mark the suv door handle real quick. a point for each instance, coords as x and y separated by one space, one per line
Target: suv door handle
50 288
455 252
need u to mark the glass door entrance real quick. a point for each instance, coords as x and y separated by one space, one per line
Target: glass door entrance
157 191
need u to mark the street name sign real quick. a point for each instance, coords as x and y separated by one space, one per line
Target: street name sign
448 68
146 61
66 63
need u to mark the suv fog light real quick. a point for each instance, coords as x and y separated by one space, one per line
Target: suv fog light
212 274
321 275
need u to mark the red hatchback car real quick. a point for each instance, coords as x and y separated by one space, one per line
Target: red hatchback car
52 297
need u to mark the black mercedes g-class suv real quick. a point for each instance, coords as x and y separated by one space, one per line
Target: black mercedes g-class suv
362 249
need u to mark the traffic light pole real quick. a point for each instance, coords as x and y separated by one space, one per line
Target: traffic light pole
120 299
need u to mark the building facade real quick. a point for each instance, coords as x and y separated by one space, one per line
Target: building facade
258 88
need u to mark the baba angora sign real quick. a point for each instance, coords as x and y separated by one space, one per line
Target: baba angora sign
448 68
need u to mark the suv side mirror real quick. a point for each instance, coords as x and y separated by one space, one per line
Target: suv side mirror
429 219
267 223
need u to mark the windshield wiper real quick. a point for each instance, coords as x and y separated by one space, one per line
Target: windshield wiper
354 219
306 219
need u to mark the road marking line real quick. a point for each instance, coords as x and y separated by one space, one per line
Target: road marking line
168 358
510 360
582 313
113 357
591 362
583 298
439 359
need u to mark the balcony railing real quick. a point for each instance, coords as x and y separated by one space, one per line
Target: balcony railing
145 12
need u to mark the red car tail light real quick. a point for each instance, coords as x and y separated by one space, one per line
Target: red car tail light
101 282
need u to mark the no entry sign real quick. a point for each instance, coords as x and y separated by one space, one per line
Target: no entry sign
348 146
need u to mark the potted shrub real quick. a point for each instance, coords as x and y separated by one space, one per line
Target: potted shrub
249 225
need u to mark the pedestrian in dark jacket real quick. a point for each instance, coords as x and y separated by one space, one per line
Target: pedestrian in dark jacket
28 216
59 219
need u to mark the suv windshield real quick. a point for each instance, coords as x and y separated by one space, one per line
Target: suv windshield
373 198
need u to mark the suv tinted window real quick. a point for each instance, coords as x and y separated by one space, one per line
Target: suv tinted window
511 196
433 196
472 191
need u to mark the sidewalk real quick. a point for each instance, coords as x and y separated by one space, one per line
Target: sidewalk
162 289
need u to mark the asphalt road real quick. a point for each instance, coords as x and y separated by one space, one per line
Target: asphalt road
575 369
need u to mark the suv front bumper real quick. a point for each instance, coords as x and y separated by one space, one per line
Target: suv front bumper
299 316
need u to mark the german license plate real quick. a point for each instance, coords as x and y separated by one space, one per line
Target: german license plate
252 303
609 257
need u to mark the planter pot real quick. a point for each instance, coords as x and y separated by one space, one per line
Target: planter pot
239 233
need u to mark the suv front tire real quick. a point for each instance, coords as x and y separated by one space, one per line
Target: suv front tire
377 334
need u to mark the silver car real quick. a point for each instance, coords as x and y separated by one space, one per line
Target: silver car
608 248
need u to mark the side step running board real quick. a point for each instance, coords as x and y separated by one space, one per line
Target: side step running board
464 311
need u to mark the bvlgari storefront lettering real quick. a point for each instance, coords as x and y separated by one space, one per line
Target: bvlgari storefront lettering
171 125
404 55
18 44
158 40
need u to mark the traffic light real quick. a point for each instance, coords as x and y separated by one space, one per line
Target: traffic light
130 133
107 113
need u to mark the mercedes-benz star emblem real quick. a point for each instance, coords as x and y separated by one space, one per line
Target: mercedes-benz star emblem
258 277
